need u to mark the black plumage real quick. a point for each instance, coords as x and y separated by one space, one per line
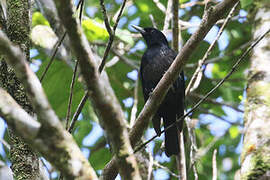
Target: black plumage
155 62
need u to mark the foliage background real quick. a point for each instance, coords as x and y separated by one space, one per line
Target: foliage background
218 121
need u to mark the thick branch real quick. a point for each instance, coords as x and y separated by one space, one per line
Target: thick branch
25 162
211 17
16 117
169 77
100 92
51 135
255 157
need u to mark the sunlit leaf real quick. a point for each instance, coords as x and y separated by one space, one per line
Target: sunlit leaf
39 19
143 7
94 30
234 132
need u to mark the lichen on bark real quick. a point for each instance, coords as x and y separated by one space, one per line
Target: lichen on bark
25 163
255 157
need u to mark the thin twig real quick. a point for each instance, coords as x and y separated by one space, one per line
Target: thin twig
203 151
195 173
209 93
153 20
193 146
160 5
197 76
71 93
214 165
105 17
150 167
175 25
5 143
110 31
77 113
181 158
213 101
81 9
58 44
206 111
127 61
46 167
193 3
166 169
135 103
218 58
167 15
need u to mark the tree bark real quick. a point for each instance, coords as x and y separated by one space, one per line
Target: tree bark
255 157
110 113
25 162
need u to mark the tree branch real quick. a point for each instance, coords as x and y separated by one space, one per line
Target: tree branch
16 117
101 94
110 31
169 77
213 101
51 135
151 106
180 158
71 95
214 165
197 76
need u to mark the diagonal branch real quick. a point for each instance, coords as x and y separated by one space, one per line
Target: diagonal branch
213 101
71 94
110 31
51 135
180 157
151 106
212 15
197 76
101 94
211 91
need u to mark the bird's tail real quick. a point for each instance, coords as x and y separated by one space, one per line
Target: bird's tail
171 138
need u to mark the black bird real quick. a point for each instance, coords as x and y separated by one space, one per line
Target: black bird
155 62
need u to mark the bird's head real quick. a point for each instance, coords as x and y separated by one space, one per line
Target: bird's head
152 36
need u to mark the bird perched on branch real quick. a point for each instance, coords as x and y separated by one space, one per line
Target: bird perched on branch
155 62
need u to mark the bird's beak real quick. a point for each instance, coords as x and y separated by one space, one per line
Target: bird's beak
140 29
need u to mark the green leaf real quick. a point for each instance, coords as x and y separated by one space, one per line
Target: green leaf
89 113
234 132
57 86
83 128
183 1
100 158
217 71
39 19
143 6
245 3
94 30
